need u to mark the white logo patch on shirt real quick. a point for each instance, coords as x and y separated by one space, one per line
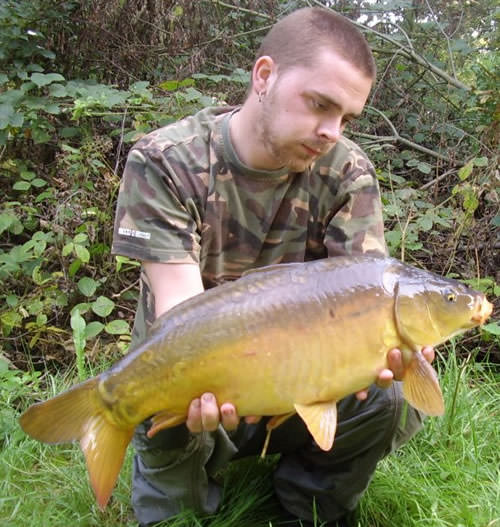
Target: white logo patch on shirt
133 233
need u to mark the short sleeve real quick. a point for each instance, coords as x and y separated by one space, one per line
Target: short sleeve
156 220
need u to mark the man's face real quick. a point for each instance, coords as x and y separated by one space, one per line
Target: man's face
306 109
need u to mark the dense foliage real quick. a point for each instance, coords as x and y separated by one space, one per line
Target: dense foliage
81 81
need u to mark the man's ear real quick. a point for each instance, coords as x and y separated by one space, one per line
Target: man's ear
263 74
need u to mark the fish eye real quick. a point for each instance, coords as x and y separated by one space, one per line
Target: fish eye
450 296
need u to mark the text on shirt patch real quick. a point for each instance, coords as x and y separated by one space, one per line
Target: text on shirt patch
133 233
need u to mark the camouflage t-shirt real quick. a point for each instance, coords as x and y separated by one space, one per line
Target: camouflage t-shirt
186 197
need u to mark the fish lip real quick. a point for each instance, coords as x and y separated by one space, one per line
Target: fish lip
484 310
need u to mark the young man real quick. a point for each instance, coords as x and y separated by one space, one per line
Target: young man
231 189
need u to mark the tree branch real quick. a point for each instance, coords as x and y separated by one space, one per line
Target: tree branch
238 8
397 138
409 53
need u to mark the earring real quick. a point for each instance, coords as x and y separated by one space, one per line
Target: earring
260 96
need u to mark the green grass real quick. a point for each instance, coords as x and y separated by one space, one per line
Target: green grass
448 476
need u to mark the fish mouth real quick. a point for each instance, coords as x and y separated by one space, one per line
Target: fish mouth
484 311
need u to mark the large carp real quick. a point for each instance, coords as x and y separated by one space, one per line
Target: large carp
282 339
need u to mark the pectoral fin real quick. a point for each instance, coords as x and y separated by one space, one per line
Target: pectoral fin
321 421
421 386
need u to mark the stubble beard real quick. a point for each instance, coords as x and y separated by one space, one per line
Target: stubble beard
284 154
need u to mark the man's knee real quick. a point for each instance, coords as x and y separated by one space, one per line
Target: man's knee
335 480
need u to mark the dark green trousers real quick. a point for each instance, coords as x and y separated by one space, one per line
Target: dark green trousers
174 470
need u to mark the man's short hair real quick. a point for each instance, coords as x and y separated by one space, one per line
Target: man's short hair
296 39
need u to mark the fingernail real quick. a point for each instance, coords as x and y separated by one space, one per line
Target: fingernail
227 411
196 403
207 397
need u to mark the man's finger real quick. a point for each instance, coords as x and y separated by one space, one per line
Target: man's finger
385 378
193 421
229 416
210 416
428 353
395 365
362 395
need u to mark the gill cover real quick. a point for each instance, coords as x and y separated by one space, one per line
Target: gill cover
430 309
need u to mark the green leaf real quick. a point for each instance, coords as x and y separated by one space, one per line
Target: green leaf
74 267
192 94
4 364
480 161
471 202
12 300
87 286
68 249
6 220
393 238
102 306
78 327
425 223
82 308
58 90
70 131
17 120
425 168
44 79
34 307
7 112
178 11
93 329
465 171
38 182
21 185
82 253
117 327
81 237
77 323
27 175
40 277
53 109
493 328
40 135
41 319
169 85
9 320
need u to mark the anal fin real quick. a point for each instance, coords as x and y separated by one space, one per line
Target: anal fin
321 421
421 386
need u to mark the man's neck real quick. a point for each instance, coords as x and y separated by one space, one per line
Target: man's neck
246 138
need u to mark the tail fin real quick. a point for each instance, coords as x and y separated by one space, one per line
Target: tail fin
78 414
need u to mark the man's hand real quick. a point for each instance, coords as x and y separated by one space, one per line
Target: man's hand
395 370
204 414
